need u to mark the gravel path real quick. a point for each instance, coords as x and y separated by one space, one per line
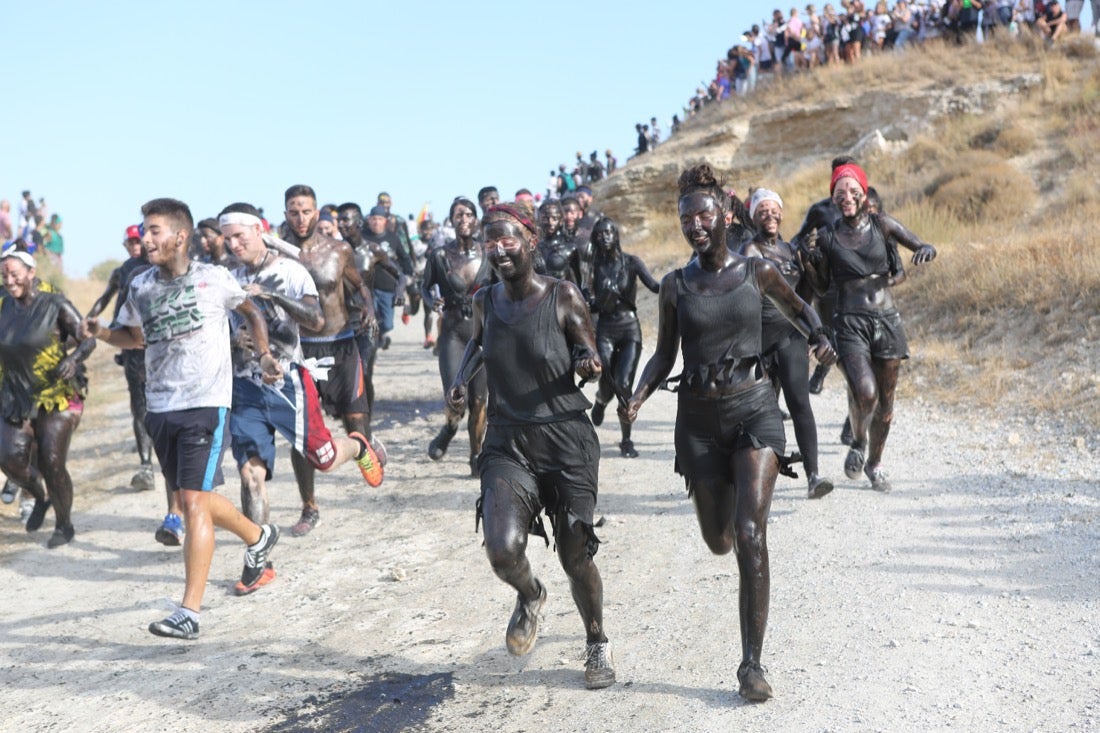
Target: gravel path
966 599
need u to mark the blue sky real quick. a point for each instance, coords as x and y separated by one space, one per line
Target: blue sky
117 103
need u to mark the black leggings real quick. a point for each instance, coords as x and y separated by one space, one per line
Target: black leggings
619 354
789 364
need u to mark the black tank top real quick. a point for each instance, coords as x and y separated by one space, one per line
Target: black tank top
771 316
846 264
718 332
529 365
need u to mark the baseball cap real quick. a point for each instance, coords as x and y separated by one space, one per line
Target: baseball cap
133 232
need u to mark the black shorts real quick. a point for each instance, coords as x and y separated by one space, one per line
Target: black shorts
552 466
343 391
189 445
709 430
877 335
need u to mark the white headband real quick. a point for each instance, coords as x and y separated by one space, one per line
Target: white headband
761 195
240 217
20 255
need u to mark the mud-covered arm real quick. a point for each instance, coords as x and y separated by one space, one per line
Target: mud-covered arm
113 284
644 275
579 334
257 329
472 357
796 310
664 358
69 325
892 228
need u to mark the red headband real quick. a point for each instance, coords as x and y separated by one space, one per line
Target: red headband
848 170
514 213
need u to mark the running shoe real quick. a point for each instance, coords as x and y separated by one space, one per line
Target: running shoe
599 667
255 556
369 465
170 531
438 447
853 464
37 515
266 577
523 627
754 687
11 490
817 486
305 525
598 410
627 449
878 478
177 626
61 536
144 479
817 381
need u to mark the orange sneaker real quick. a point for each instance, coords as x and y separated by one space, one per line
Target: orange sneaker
266 577
369 464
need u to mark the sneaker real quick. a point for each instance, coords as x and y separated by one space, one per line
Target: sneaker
523 627
177 626
429 342
10 492
255 556
144 479
379 450
170 531
626 448
438 447
853 464
369 465
37 515
598 411
385 342
599 667
817 381
266 577
61 536
754 687
878 478
818 487
305 525
846 435
25 508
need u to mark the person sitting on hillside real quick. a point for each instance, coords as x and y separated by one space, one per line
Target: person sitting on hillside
1052 22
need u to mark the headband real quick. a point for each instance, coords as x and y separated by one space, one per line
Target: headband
848 170
240 217
514 213
761 195
20 255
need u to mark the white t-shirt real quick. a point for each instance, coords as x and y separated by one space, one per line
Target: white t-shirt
186 326
290 279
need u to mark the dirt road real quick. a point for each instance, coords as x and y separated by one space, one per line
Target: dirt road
967 599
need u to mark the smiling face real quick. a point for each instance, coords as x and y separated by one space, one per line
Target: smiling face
768 217
350 224
163 242
702 221
509 246
848 196
550 218
464 221
301 216
245 242
18 278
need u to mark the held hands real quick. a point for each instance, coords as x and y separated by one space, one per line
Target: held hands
90 328
628 411
925 253
823 350
257 291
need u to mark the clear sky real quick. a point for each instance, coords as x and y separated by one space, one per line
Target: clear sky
112 104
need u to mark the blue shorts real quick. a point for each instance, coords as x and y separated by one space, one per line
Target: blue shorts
292 409
189 445
383 310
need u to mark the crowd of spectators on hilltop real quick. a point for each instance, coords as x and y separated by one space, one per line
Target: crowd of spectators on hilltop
804 39
32 228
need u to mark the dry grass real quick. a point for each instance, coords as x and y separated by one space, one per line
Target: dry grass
1008 315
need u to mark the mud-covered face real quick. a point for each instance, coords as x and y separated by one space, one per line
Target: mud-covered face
848 196
571 215
327 227
702 221
508 246
464 220
301 216
350 224
550 218
245 242
162 240
768 217
18 278
606 237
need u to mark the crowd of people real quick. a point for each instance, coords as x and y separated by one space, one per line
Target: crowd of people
231 331
32 229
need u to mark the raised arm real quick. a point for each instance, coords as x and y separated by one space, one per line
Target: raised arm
113 284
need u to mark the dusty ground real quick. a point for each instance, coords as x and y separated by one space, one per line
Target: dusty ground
965 600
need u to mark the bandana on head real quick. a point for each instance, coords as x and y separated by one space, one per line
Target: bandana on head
20 255
515 214
848 170
761 195
239 217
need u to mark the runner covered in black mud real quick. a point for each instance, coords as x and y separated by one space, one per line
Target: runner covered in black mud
615 277
729 434
556 255
855 256
42 390
532 334
785 351
456 271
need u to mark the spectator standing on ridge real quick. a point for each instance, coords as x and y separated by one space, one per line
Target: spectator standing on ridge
613 162
7 231
596 170
654 133
643 139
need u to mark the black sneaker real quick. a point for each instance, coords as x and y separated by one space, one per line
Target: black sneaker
523 627
599 667
61 536
38 515
255 559
598 413
438 447
818 487
177 626
754 687
626 448
817 381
